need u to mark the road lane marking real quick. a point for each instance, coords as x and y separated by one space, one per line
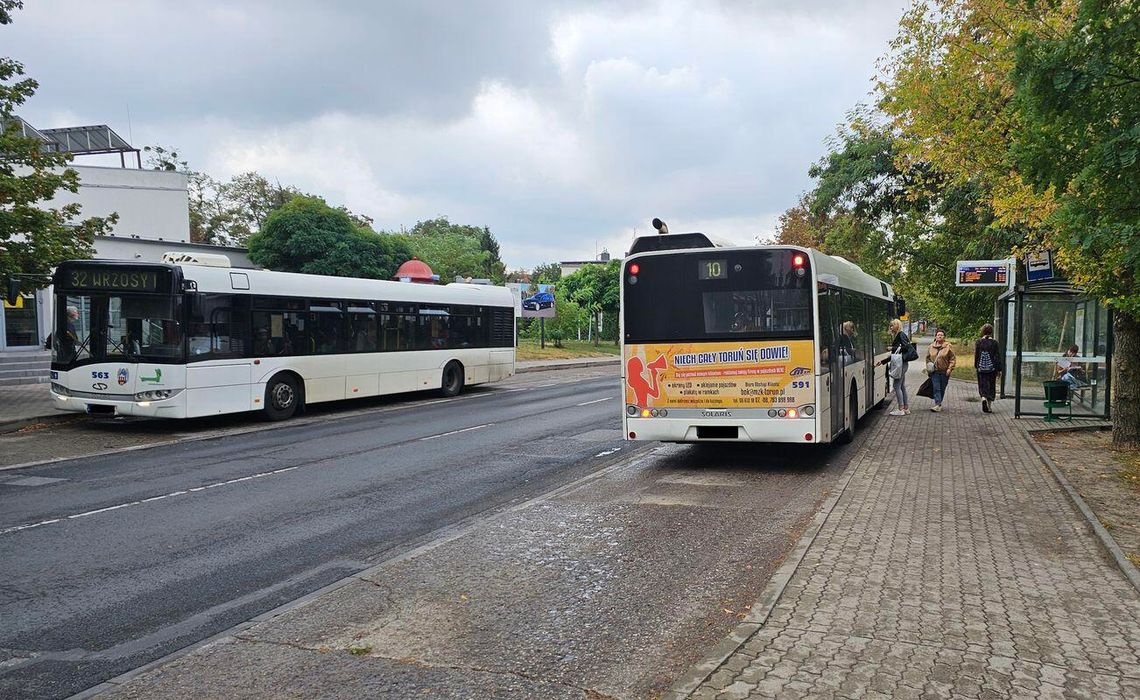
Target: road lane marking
608 452
587 403
128 504
296 423
456 432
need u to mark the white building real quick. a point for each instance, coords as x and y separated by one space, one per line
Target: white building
154 218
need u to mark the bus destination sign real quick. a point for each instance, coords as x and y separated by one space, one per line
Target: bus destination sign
982 273
117 279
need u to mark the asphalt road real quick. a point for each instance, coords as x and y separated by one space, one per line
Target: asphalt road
109 562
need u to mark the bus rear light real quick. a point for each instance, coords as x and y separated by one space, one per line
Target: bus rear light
772 413
798 260
783 413
662 413
631 410
632 435
634 269
808 410
792 413
645 413
807 437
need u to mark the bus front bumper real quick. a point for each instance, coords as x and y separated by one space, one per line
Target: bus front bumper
173 407
801 430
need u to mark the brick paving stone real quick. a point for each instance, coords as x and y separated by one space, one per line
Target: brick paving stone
952 566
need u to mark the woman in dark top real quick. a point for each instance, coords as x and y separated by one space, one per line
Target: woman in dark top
987 362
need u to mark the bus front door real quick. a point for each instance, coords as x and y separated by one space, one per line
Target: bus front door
830 304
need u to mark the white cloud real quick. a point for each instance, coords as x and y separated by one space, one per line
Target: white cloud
561 125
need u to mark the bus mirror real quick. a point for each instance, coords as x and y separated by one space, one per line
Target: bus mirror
900 307
13 291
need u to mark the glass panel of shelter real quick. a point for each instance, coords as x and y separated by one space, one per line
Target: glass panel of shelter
1062 340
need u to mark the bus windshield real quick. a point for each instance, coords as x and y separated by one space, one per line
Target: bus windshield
718 295
108 327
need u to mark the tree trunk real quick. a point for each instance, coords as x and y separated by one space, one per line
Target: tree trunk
1125 381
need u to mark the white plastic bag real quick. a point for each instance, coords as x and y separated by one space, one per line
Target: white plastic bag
896 367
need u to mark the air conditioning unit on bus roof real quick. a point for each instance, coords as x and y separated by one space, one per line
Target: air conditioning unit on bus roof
179 257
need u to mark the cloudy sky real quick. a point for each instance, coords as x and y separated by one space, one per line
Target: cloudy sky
565 126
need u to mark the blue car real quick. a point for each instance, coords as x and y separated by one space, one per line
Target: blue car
542 300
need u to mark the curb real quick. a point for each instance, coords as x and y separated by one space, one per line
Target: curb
11 426
762 608
569 365
1126 567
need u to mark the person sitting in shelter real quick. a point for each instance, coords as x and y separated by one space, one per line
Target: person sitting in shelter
1069 371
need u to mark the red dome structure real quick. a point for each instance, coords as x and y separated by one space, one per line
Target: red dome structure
415 270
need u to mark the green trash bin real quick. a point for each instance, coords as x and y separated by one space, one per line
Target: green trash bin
1056 391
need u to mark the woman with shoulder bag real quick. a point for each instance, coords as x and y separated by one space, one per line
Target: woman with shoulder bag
987 361
902 353
940 362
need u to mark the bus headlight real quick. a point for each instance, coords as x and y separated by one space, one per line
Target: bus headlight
154 395
59 389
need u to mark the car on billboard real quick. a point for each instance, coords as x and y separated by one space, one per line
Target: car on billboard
542 300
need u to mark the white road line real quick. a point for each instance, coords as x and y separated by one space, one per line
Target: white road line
456 432
608 452
587 403
172 494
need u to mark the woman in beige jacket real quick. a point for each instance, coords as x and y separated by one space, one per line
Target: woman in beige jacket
940 362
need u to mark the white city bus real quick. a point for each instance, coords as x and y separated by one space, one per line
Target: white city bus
185 340
749 344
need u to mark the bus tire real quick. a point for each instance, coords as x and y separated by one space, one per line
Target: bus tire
452 384
852 417
283 397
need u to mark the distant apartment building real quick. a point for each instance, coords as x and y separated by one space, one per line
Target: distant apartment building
569 267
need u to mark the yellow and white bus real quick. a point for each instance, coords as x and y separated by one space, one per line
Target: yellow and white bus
180 340
749 344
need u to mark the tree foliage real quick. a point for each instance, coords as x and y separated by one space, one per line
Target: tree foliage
457 249
595 288
1078 94
229 213
307 235
33 237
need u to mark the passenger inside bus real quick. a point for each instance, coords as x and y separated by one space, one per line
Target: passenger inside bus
847 343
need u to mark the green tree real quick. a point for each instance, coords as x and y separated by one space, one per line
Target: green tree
1078 96
307 235
35 238
487 265
546 273
596 289
449 254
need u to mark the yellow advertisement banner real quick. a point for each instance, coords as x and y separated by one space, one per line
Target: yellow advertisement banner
755 374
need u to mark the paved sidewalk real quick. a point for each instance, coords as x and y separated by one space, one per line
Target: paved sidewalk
953 565
23 404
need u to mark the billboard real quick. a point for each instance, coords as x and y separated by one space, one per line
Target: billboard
750 374
537 300
982 273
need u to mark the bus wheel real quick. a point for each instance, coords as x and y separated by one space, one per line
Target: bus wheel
282 397
452 379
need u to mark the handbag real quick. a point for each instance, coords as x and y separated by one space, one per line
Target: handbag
930 368
910 354
927 389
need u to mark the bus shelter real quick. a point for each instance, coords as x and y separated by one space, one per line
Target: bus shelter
1054 332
